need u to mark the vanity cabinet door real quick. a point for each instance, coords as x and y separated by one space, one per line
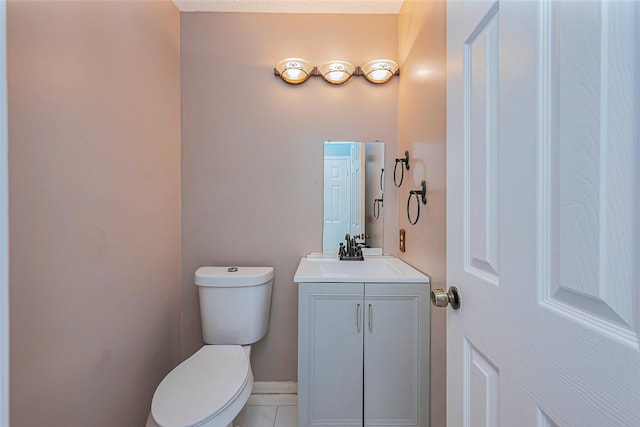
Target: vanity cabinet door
396 355
330 360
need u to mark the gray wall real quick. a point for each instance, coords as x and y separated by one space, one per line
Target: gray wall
252 149
94 170
94 140
422 130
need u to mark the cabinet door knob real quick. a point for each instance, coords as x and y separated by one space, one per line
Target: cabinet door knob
358 317
442 298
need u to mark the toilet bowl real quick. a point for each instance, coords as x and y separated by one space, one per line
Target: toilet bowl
212 386
208 389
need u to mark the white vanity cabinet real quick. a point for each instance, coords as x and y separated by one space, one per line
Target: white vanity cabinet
363 353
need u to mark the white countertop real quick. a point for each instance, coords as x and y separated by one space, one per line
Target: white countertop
317 268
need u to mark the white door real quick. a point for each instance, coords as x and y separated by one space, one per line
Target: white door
337 202
357 188
543 216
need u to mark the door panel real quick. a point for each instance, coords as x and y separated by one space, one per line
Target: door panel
337 201
543 420
589 205
473 209
481 382
481 148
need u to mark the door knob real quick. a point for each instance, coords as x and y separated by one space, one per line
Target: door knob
442 298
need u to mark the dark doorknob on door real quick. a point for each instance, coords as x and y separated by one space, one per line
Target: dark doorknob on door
442 298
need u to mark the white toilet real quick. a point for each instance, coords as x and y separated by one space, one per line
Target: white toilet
211 387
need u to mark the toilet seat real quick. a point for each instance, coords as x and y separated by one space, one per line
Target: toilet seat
201 387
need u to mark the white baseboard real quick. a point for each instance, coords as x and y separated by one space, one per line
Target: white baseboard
275 387
274 393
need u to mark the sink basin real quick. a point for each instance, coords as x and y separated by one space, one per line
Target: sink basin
356 268
381 269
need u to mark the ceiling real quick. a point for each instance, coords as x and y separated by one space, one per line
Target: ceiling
292 6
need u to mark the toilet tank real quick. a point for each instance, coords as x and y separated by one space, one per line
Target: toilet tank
235 303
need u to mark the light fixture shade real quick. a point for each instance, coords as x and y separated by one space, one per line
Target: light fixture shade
337 72
379 70
294 70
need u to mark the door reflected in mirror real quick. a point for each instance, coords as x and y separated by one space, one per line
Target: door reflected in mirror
353 194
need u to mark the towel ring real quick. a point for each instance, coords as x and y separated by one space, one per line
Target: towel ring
404 163
377 204
421 196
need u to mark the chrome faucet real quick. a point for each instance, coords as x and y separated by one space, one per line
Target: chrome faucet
351 251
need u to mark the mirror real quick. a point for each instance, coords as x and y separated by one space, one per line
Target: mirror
353 194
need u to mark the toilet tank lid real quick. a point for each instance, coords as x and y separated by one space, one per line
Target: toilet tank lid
233 276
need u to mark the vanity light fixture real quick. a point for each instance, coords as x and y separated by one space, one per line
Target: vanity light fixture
337 72
294 70
379 71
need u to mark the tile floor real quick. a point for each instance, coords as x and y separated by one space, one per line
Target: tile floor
267 416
